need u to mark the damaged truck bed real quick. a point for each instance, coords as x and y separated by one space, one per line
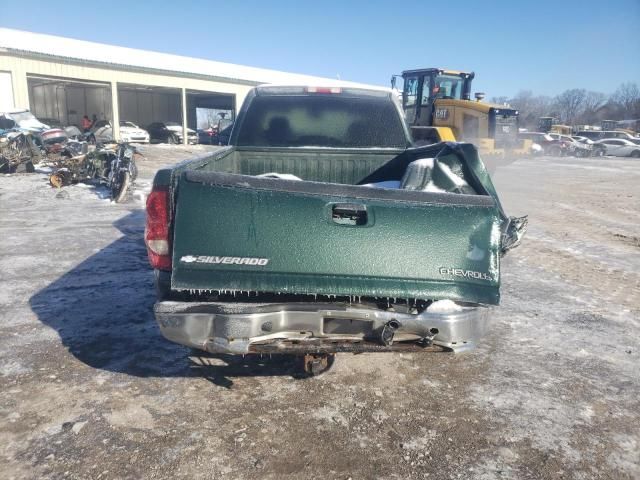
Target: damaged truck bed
321 229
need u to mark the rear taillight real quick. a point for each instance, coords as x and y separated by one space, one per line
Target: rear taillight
156 232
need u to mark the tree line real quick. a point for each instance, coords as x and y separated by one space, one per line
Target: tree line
576 106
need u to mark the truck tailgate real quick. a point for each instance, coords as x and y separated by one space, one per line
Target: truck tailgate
243 233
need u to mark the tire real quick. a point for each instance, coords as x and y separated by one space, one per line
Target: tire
120 189
599 152
61 178
134 171
635 154
172 140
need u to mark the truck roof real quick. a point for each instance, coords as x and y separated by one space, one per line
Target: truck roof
297 89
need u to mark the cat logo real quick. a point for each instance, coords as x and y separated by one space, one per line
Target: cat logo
442 113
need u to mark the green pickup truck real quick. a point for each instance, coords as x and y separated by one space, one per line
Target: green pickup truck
321 229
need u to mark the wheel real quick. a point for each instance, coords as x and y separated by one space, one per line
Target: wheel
172 140
120 188
635 154
598 152
60 179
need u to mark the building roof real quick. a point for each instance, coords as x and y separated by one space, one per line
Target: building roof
24 43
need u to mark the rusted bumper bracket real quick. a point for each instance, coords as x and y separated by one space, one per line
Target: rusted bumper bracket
319 346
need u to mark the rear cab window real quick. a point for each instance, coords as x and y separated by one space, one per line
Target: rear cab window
322 120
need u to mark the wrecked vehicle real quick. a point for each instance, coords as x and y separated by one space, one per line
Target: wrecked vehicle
24 120
112 165
321 229
18 152
53 141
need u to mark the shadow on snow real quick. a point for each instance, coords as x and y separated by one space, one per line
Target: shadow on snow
103 312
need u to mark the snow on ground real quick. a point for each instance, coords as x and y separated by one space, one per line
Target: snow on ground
90 389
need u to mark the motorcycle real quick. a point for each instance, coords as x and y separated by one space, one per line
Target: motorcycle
123 172
113 167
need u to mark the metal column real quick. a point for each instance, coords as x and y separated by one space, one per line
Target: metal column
185 138
20 88
115 112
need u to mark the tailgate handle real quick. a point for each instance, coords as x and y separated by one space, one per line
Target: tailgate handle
349 214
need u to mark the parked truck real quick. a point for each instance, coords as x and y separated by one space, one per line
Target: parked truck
322 229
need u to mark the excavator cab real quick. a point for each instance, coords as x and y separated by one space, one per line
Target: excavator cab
438 107
424 86
545 124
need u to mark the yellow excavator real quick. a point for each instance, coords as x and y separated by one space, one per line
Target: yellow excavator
551 125
438 107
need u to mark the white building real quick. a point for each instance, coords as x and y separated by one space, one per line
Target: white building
65 79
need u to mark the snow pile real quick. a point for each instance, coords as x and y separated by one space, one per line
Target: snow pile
281 176
444 306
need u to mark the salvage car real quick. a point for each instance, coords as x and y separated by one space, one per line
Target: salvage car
604 134
620 147
574 147
222 137
102 132
217 134
24 120
549 145
597 150
322 229
170 132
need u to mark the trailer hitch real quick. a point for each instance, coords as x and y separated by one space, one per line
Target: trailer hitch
388 331
316 363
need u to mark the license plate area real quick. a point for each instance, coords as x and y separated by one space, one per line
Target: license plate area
347 326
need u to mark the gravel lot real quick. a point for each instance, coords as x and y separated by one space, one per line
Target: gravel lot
90 389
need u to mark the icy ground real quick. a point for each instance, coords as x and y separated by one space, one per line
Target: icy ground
89 388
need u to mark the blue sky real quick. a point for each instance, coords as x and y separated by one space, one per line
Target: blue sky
544 46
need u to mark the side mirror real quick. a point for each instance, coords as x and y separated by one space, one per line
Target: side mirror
393 81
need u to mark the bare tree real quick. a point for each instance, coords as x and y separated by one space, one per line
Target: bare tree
499 100
575 105
523 100
531 107
627 96
593 101
570 104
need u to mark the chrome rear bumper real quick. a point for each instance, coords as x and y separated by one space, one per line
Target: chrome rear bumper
315 328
